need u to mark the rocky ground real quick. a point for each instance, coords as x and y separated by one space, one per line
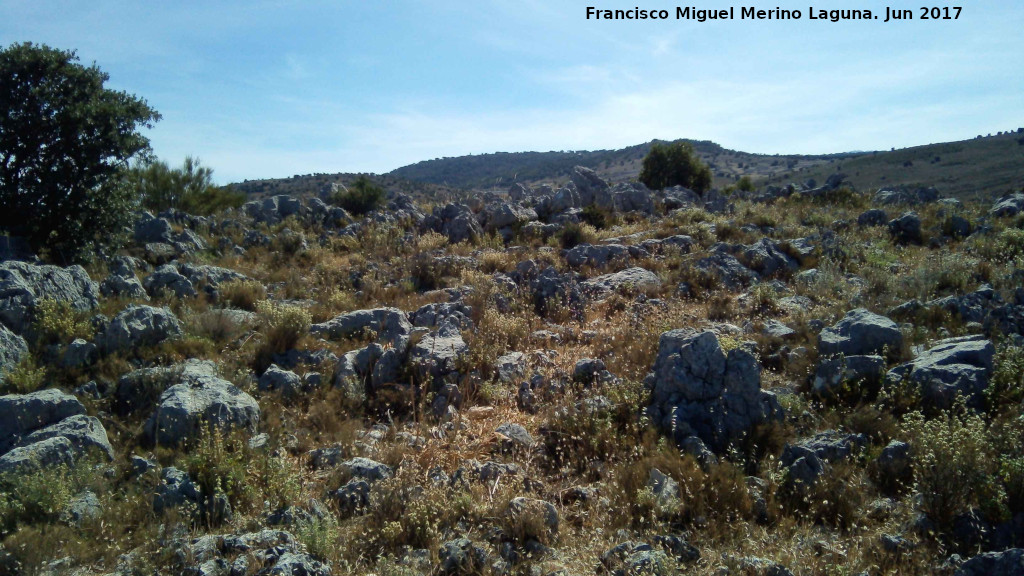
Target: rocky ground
594 379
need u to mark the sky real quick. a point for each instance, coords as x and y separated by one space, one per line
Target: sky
268 89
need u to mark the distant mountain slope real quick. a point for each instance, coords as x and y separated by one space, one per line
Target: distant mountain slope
983 167
501 169
314 184
979 168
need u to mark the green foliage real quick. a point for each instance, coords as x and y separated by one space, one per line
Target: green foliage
361 197
675 164
189 188
574 234
598 217
24 378
65 144
57 322
955 465
1006 388
39 495
282 325
745 184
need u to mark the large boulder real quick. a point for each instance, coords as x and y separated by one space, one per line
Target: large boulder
389 324
24 285
905 195
456 221
699 390
952 367
805 459
632 197
906 229
137 326
151 229
723 266
436 355
1008 205
201 399
12 349
45 428
505 215
1006 563
597 256
167 279
767 258
634 279
861 332
591 188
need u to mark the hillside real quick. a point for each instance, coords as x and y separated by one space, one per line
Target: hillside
702 385
501 169
984 167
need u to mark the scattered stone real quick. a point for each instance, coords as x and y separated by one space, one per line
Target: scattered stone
366 469
461 557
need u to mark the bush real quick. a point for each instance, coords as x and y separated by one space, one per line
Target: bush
189 188
361 197
65 142
242 294
955 465
282 325
40 495
574 234
57 322
675 164
598 217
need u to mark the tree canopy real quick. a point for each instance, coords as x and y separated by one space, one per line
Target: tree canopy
675 164
65 145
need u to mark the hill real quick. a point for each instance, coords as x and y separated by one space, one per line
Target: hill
984 167
500 169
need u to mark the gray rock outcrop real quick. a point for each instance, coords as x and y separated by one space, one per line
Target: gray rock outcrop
699 390
955 366
861 332
200 399
24 285
45 428
137 326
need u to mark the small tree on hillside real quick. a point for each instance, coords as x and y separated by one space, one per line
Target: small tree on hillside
360 197
189 188
65 144
675 164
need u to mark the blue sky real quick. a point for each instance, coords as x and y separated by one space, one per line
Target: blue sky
276 88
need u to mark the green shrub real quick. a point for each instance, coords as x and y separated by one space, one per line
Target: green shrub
954 463
189 188
57 322
66 140
675 164
1006 387
39 495
282 325
599 218
361 197
573 234
26 377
